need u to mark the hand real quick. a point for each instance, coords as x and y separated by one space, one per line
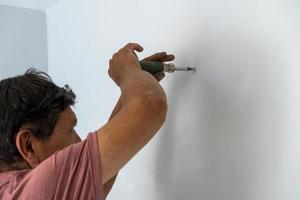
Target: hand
123 61
161 57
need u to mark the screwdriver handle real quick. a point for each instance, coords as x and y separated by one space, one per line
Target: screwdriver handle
152 67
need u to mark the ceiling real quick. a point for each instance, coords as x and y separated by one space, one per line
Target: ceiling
32 4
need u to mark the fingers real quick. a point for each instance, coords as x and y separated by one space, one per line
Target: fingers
157 56
122 60
133 47
159 76
161 57
167 58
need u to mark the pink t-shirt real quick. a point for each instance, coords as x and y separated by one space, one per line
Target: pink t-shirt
72 173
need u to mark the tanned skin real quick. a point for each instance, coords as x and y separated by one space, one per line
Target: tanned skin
142 100
162 57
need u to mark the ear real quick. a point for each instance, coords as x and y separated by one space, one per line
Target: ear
25 145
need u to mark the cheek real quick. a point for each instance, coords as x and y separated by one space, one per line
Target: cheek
61 143
64 140
69 140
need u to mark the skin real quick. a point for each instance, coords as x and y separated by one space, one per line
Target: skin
143 111
142 99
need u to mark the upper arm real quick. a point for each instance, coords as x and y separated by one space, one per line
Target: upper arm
125 134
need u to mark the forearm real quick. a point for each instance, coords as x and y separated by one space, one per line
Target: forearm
139 83
116 109
108 185
128 92
143 111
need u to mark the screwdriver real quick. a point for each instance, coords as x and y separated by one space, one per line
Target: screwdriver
154 67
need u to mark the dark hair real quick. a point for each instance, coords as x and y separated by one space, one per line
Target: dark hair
33 100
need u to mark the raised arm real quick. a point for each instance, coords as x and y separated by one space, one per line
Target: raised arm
162 57
143 111
108 185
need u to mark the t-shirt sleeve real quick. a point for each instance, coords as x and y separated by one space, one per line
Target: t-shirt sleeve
72 173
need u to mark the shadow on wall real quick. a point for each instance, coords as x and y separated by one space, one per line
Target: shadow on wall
221 126
174 173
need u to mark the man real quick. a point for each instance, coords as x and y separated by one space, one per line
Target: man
41 155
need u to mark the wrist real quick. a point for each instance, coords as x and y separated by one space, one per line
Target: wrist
129 73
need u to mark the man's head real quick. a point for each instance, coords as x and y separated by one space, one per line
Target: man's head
35 120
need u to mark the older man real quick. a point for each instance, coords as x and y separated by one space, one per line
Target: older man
41 155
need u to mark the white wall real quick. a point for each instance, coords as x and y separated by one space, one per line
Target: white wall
233 127
32 4
23 40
